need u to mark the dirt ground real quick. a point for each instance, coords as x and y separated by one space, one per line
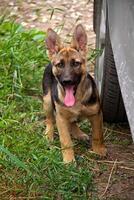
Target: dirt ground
117 179
61 15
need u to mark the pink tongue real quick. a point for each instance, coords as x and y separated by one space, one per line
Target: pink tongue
69 99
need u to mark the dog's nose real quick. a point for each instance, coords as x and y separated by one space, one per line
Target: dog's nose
67 82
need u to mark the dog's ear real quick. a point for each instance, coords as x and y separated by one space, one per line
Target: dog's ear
79 41
52 42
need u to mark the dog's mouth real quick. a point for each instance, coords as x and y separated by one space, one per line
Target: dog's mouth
69 99
70 88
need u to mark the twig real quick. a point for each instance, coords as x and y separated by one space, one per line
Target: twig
109 161
109 179
109 133
41 197
112 162
104 134
108 129
119 162
128 168
5 191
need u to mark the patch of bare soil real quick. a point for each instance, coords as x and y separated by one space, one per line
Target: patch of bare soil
61 15
116 180
114 174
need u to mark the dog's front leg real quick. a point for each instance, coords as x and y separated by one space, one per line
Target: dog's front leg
97 134
63 126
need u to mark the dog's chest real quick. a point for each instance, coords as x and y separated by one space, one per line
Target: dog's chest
74 113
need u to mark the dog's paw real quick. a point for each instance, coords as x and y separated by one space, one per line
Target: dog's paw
68 156
83 137
100 150
69 161
49 136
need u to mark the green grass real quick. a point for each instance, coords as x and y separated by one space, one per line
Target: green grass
30 166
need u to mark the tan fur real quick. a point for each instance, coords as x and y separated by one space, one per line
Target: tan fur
67 54
77 133
63 126
67 116
50 119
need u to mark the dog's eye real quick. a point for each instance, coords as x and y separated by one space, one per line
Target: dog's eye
60 64
75 63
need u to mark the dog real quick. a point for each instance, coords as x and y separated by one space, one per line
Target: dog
70 94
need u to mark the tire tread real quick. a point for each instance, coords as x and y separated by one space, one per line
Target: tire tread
111 98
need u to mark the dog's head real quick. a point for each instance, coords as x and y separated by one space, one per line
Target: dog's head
69 63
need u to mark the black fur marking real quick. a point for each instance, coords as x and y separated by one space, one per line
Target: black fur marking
50 83
55 92
47 79
93 98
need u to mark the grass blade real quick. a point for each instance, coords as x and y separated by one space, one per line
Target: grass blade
13 158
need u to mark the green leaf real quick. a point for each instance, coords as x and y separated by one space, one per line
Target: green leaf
14 159
39 37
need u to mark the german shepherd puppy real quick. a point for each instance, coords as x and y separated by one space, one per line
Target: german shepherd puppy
70 94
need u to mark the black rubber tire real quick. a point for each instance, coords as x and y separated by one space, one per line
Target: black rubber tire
112 102
111 98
